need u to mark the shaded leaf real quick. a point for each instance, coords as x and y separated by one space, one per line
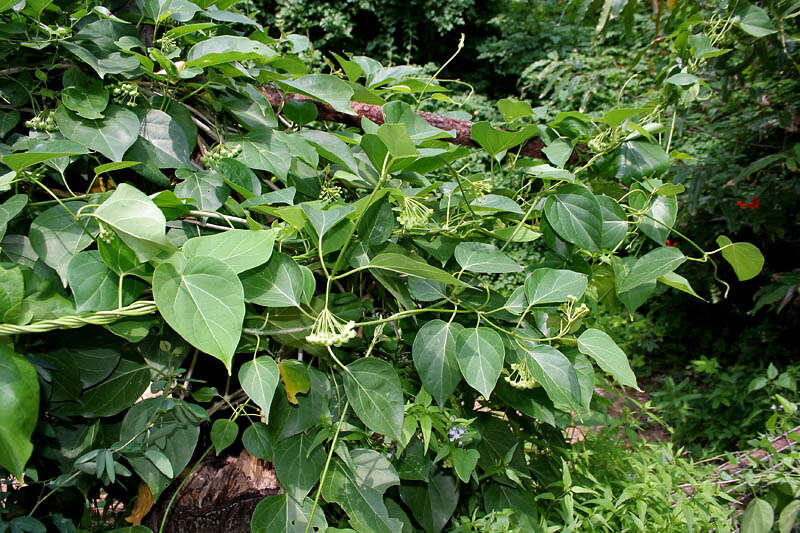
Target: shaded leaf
480 354
434 353
374 391
602 348
203 301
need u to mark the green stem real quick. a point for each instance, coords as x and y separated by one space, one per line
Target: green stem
343 251
452 57
327 463
178 490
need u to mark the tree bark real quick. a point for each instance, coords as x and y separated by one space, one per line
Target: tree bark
532 147
219 497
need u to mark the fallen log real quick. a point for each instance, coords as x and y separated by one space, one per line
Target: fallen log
531 148
218 497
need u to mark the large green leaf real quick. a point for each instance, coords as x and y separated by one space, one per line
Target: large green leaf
258 441
262 150
137 221
547 286
240 249
223 433
89 100
207 189
57 237
432 504
377 224
298 465
480 354
744 257
496 202
788 517
111 136
24 160
259 379
324 87
10 209
331 148
19 410
202 299
602 348
399 112
634 159
496 141
615 223
576 216
282 514
8 119
758 517
754 20
113 63
659 219
484 258
371 468
374 391
287 419
162 142
280 283
514 109
553 371
651 266
434 353
402 264
362 502
678 282
324 220
497 497
118 392
96 287
226 49
12 290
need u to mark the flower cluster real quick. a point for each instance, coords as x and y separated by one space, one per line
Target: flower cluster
106 234
329 193
482 187
44 121
330 331
36 173
413 213
671 243
220 151
126 93
167 44
752 204
521 377
456 433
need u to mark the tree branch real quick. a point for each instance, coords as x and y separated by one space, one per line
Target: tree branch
532 147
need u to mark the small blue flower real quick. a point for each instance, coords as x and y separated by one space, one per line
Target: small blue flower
456 433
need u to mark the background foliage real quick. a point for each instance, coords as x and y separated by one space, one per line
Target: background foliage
403 327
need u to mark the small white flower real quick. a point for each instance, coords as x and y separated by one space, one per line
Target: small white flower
328 330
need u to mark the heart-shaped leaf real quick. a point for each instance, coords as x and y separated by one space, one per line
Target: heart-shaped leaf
111 136
480 354
373 388
238 248
202 299
259 379
434 353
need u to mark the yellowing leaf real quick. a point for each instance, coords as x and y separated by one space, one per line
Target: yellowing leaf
144 502
294 375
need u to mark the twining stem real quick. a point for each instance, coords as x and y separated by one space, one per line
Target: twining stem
375 191
327 463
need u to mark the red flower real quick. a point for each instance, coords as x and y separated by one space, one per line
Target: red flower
671 243
752 204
